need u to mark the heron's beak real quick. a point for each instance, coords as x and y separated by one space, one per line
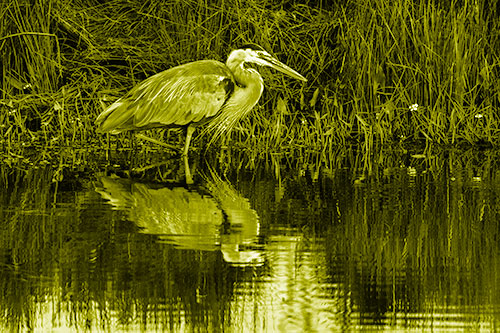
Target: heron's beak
264 59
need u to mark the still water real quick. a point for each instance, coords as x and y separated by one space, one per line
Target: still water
394 241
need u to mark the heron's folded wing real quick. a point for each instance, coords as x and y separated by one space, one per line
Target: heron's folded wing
181 95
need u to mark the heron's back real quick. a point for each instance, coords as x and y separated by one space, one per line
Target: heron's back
182 95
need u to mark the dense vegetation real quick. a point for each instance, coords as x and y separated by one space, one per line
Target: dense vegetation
379 71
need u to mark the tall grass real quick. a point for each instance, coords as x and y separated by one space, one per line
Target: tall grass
436 55
378 72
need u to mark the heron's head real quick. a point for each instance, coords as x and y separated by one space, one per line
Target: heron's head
253 53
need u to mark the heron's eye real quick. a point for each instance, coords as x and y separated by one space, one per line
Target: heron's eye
247 65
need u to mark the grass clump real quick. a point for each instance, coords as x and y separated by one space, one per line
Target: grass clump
436 55
378 72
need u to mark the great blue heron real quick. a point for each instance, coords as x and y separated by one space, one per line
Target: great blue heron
189 95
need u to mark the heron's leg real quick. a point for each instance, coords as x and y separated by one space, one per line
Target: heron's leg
189 134
187 170
109 147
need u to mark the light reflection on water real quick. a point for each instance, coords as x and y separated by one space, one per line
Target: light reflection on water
408 244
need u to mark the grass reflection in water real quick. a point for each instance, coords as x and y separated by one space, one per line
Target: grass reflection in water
408 242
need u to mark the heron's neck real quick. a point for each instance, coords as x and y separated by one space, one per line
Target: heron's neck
244 97
250 81
244 77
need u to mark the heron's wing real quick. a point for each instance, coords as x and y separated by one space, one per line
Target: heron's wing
178 96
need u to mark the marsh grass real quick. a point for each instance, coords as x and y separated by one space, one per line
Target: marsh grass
435 55
62 61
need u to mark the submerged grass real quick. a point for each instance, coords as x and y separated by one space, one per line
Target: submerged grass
378 72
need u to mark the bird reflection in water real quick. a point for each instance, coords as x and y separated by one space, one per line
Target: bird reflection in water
213 216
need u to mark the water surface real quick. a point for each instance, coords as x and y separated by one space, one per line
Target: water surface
395 241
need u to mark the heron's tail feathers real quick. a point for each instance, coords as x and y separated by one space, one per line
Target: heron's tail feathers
113 120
